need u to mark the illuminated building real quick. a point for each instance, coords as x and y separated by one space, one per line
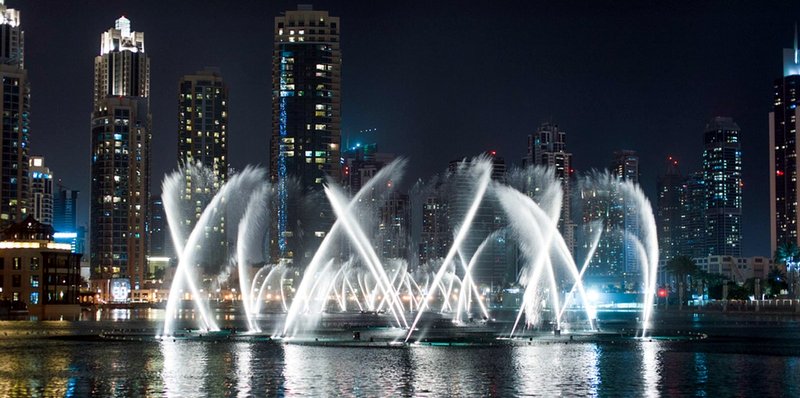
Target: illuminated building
394 226
14 129
669 208
736 269
615 262
202 140
784 147
306 127
722 177
694 216
548 147
435 235
121 133
41 195
494 267
65 219
37 272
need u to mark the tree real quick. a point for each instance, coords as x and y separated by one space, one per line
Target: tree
683 269
788 254
776 281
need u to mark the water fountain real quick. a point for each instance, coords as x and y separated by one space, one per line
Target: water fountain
359 280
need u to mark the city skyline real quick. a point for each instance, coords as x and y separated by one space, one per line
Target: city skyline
549 70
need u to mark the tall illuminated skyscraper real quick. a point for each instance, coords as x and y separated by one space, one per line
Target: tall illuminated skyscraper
202 140
722 177
306 126
784 182
14 129
548 147
121 133
41 195
669 208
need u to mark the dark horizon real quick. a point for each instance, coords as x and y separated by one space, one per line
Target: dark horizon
444 80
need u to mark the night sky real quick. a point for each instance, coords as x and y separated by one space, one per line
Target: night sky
443 80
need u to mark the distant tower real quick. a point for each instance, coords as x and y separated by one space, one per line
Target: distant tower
121 134
493 268
722 177
669 207
784 123
14 129
41 195
202 139
306 125
548 147
65 219
694 217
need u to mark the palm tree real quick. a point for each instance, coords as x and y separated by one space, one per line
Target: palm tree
682 268
788 254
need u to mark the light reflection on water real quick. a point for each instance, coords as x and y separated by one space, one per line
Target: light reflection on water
64 367
651 374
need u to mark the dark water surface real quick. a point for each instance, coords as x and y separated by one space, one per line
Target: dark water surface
35 363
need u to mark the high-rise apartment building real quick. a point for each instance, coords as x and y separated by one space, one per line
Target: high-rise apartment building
202 141
694 217
306 125
784 181
65 219
41 195
14 129
722 177
548 147
495 266
121 134
615 263
669 208
203 123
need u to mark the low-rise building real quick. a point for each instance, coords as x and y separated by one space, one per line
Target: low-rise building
38 272
737 269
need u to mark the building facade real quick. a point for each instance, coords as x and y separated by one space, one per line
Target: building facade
41 195
202 141
121 133
14 129
38 274
306 126
784 181
722 176
669 208
495 267
548 147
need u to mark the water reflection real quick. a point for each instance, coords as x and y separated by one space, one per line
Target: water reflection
651 374
33 363
555 369
184 370
244 368
346 371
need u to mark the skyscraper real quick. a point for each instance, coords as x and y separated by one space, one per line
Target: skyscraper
625 166
548 147
494 267
15 92
722 177
615 262
784 181
306 124
669 208
65 219
121 133
202 140
694 217
203 122
41 195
